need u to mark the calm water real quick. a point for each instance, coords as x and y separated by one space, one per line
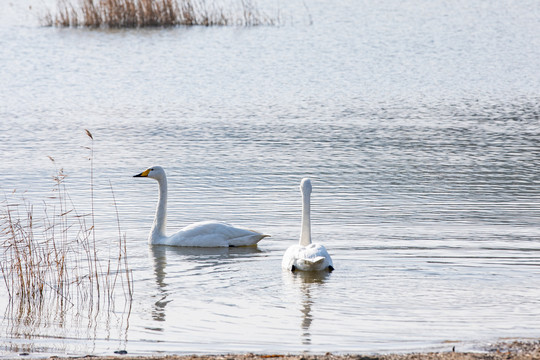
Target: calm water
417 121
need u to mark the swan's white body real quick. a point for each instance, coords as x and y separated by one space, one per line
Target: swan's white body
200 234
306 256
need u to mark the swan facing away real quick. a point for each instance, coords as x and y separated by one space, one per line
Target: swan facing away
200 234
306 256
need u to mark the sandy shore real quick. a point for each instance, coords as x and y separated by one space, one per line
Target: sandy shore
518 350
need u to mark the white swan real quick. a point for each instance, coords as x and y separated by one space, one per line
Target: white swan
306 256
200 234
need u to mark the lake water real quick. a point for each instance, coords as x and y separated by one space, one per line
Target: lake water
417 121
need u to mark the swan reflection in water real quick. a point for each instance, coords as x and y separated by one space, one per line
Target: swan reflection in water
181 261
306 282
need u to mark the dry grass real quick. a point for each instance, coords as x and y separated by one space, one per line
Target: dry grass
156 13
52 260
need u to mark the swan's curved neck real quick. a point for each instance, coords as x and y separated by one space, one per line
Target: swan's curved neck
160 221
305 234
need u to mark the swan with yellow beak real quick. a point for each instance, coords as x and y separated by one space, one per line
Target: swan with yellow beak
199 234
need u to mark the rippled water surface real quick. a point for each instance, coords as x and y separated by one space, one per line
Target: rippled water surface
418 123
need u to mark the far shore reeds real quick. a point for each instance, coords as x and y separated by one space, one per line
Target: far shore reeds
157 13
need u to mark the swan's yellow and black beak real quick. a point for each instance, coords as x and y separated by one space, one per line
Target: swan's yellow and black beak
143 174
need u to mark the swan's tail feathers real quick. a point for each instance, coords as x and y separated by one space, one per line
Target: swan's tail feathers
249 240
317 260
312 262
258 233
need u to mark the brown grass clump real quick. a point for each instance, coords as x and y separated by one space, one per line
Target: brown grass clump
156 13
52 261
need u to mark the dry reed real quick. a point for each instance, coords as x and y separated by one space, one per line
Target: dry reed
156 13
55 261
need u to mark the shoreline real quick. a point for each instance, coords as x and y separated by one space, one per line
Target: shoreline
512 350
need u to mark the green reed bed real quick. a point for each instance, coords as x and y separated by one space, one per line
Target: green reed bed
49 257
157 13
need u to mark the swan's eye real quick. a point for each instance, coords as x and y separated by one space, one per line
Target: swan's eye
151 169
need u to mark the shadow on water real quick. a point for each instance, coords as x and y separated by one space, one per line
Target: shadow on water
197 258
307 282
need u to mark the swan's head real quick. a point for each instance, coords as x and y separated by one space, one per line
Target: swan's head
155 172
305 186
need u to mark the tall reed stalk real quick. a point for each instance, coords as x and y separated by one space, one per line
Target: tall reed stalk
54 260
154 13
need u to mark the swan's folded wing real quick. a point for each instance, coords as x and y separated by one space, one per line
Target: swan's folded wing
290 256
216 234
